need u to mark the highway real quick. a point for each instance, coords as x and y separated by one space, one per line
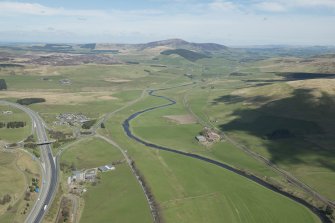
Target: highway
48 163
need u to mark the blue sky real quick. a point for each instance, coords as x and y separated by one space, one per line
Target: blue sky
229 22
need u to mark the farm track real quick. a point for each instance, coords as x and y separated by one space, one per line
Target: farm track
126 126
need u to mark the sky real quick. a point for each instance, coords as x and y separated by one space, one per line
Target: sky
228 22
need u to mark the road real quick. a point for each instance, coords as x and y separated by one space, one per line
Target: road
130 134
48 163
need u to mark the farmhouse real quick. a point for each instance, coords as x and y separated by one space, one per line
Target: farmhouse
7 112
78 176
90 174
65 81
213 137
201 138
83 175
210 135
106 168
189 75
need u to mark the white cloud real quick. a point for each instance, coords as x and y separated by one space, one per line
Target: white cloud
218 21
271 7
314 3
285 5
222 5
14 8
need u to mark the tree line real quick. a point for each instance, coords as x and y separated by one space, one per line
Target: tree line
154 205
13 125
3 85
29 101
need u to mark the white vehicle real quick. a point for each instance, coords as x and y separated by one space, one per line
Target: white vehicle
45 207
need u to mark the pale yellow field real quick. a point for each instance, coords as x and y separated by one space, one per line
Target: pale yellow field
324 85
59 97
182 119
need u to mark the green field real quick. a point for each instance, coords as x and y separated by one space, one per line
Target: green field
118 191
112 200
186 188
17 134
91 153
15 179
248 121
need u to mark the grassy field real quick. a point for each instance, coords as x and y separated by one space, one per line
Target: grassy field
91 153
112 200
16 171
191 191
118 192
248 121
18 134
154 127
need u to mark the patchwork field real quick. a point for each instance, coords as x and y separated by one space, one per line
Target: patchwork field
274 107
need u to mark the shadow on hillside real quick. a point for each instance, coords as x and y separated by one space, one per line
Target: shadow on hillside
290 128
233 99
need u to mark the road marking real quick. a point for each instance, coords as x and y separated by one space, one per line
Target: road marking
43 165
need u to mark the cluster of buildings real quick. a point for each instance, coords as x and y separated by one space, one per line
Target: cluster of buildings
65 81
81 176
208 136
188 75
88 175
70 119
7 112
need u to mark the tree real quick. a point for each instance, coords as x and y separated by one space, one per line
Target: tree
102 125
5 199
329 210
27 196
88 124
3 85
73 167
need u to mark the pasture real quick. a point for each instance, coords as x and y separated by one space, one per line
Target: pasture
12 135
117 193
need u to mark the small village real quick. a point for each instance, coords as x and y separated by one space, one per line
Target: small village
70 119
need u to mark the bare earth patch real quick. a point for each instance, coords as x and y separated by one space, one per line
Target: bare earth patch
182 119
59 97
116 80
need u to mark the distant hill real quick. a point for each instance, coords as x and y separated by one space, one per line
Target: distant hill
160 46
187 54
182 44
152 47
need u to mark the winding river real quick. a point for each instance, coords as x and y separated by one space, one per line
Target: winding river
126 126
